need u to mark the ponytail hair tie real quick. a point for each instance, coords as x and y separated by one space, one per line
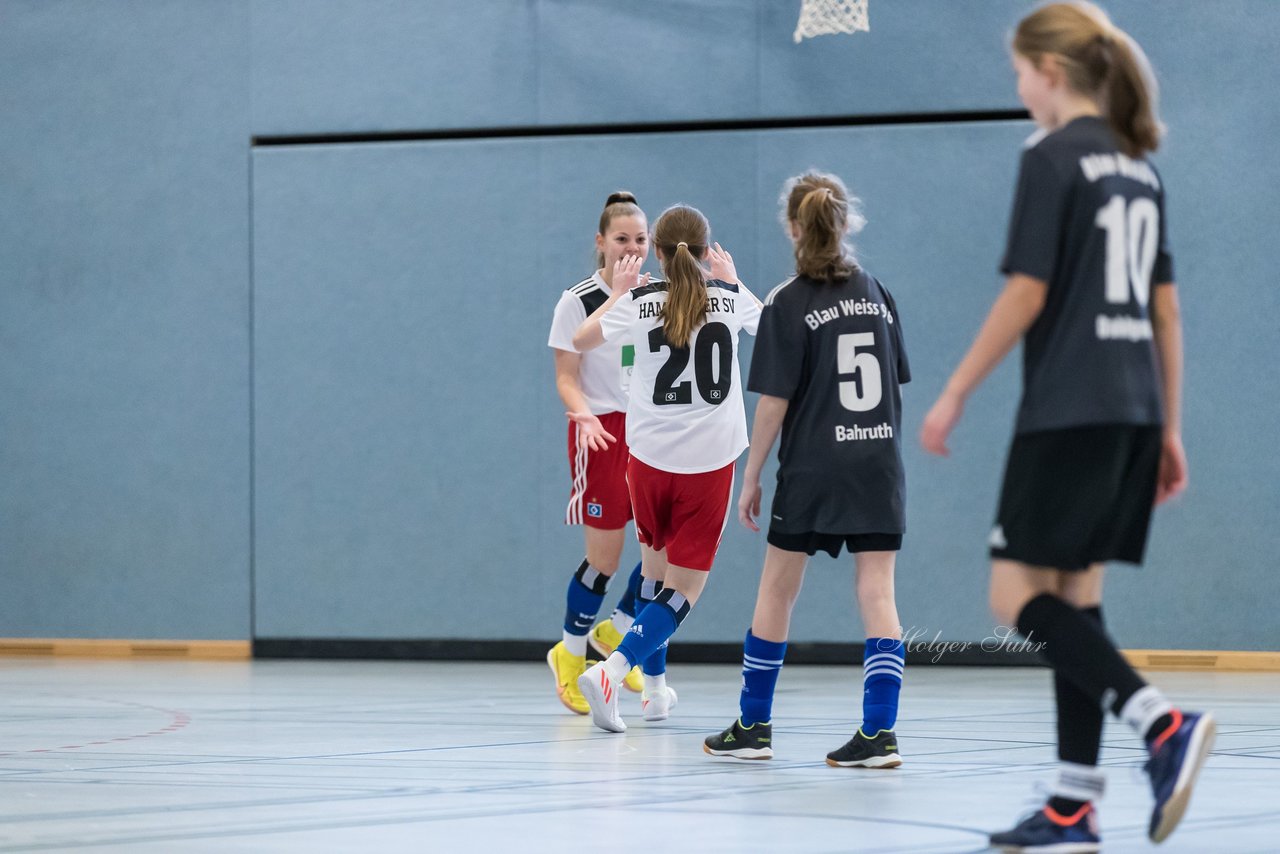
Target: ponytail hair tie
682 243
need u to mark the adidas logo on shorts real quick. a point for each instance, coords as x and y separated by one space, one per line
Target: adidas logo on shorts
997 540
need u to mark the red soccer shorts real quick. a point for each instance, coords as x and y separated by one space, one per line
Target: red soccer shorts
682 513
599 497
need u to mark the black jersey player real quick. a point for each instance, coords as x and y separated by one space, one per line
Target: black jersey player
1098 436
828 364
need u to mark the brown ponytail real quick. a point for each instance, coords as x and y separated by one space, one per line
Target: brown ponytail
1132 97
1100 61
620 203
681 235
818 204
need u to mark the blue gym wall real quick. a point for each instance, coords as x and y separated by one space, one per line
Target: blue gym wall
303 391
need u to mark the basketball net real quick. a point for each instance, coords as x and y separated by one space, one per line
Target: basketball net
824 17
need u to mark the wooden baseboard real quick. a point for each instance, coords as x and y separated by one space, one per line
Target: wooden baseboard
110 648
1225 661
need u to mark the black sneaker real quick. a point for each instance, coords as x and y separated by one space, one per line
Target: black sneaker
864 752
753 742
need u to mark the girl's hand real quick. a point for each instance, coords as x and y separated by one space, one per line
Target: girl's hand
591 433
1172 478
749 504
939 423
722 264
626 271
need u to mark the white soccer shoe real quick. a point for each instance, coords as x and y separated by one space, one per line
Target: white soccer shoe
658 705
602 696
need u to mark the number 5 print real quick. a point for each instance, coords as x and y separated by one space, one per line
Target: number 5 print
861 394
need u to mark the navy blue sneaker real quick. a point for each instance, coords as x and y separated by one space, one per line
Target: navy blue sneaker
1048 832
1177 755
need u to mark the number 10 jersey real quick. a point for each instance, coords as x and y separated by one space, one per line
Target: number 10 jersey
1089 222
685 413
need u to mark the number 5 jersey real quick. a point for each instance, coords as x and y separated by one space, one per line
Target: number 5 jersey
685 413
835 351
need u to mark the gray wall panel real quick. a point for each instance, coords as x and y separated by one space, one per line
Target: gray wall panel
937 198
124 436
1211 552
350 65
411 472
672 60
327 66
919 56
389 388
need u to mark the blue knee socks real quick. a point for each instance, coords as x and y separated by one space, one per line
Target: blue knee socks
654 625
882 666
761 661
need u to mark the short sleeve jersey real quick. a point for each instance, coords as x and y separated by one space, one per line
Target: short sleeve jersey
605 372
835 351
685 414
1090 222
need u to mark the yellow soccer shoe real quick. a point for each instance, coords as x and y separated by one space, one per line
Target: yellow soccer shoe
567 667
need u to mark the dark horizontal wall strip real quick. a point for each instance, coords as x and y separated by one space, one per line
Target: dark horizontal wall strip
961 653
643 128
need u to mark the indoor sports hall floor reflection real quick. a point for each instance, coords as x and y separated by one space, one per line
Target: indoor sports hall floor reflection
273 756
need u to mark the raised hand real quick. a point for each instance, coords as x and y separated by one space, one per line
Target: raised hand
626 274
722 264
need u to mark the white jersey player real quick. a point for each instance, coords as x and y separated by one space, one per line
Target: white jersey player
593 385
686 426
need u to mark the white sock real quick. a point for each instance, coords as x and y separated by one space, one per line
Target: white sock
576 644
654 683
1079 782
622 622
1145 708
617 667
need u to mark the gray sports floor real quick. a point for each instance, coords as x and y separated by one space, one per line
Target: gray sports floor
162 756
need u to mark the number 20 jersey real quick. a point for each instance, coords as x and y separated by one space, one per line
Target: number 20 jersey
1090 222
836 352
685 413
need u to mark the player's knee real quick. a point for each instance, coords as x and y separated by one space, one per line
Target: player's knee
604 565
875 590
605 560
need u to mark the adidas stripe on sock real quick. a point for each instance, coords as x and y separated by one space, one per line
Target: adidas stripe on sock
654 625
